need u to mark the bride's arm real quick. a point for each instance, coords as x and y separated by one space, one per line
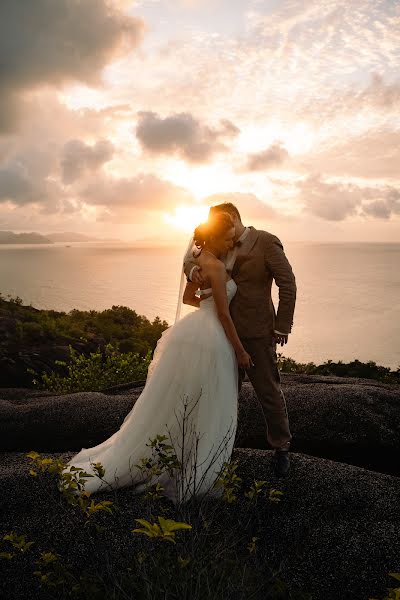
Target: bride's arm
189 295
217 276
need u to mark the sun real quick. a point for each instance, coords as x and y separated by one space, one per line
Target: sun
186 217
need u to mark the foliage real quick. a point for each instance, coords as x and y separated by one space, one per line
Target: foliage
393 593
163 530
118 325
131 334
94 372
355 368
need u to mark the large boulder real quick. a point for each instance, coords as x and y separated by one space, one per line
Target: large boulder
335 533
45 422
349 420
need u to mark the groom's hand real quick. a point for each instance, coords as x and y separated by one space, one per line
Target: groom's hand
281 338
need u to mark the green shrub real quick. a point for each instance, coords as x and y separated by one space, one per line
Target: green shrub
32 332
355 368
116 325
95 372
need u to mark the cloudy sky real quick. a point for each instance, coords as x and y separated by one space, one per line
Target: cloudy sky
126 119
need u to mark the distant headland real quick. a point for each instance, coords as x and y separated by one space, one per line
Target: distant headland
10 237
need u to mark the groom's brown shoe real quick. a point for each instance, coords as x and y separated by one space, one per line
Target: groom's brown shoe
282 462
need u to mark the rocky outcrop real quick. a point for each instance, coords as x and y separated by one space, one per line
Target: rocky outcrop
355 421
348 420
335 533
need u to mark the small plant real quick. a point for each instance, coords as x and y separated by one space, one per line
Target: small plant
164 530
71 483
393 593
255 490
18 543
274 496
228 481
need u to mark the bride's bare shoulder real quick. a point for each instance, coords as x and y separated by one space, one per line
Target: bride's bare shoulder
210 260
211 265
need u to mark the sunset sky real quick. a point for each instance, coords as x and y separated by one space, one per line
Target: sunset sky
128 118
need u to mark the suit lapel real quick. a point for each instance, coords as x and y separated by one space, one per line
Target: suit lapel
245 247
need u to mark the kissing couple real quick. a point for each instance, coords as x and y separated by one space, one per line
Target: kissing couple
194 378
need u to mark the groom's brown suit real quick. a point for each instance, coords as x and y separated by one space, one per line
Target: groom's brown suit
260 260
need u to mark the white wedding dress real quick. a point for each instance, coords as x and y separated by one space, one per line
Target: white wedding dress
194 366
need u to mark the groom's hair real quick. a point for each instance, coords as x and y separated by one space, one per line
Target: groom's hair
227 207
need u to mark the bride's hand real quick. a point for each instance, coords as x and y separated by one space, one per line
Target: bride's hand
197 276
244 359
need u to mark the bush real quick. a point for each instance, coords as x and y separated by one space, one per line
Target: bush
117 325
355 368
95 372
32 332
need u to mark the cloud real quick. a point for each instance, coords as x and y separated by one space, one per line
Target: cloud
266 159
78 157
384 207
61 41
20 188
249 205
124 198
377 100
183 135
335 201
36 163
374 154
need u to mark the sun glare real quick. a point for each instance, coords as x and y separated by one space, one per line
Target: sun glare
186 218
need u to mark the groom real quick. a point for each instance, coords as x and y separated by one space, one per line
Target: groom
256 259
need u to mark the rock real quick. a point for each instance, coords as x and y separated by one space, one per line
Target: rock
348 420
56 423
356 421
335 533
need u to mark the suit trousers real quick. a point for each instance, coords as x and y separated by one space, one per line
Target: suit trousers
266 381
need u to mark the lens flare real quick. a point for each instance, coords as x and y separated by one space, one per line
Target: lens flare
186 218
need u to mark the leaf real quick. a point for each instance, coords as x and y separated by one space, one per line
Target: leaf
32 454
47 557
143 522
169 525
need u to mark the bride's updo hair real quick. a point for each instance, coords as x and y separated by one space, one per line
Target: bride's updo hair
216 226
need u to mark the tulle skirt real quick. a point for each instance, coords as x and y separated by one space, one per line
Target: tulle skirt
190 396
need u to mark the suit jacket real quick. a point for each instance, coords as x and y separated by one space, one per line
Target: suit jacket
260 260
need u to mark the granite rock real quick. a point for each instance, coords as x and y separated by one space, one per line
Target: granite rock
334 534
348 420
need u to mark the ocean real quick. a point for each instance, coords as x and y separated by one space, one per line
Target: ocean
348 302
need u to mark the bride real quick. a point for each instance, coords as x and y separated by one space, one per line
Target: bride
191 390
